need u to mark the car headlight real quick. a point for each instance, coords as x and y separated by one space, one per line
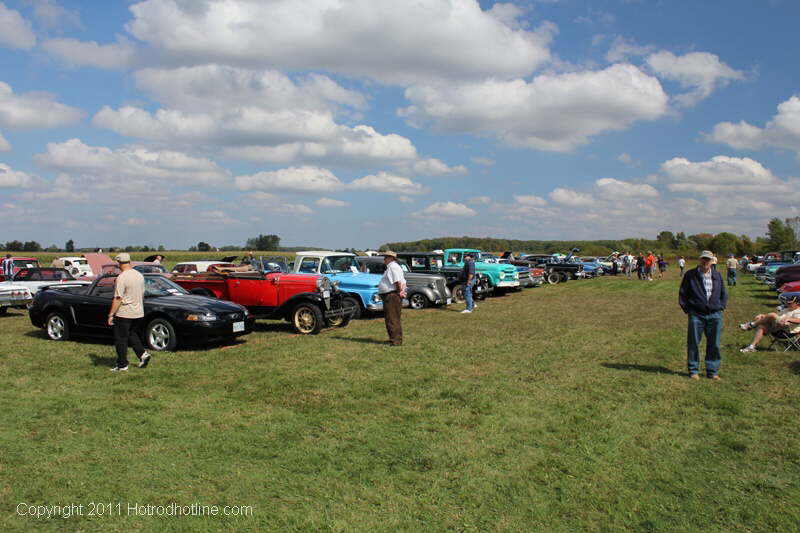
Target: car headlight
502 275
376 298
205 317
335 285
246 312
431 285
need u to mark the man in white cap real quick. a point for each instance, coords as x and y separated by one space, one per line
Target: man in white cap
127 310
703 297
392 290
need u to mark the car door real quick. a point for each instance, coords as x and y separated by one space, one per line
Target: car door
91 309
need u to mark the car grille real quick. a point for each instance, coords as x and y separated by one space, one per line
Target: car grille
441 286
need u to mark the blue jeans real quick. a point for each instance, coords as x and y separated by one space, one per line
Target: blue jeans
731 276
711 326
468 294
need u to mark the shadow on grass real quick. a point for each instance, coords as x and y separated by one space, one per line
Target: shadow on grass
364 340
794 366
97 360
109 342
642 368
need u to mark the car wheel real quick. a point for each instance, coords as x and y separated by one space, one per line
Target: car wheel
481 296
564 277
417 301
350 302
458 293
553 278
160 335
339 321
307 319
57 327
200 291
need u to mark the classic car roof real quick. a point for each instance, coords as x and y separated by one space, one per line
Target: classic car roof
324 253
44 271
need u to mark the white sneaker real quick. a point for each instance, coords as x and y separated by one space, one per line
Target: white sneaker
465 311
118 369
745 326
749 348
145 360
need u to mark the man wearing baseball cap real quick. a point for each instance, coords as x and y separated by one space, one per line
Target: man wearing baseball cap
127 310
703 297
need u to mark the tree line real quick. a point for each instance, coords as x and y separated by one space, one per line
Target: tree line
779 236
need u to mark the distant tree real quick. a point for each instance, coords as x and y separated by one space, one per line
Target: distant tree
145 248
724 243
203 247
667 240
70 246
746 246
51 248
193 248
14 246
264 243
701 240
780 236
31 246
161 248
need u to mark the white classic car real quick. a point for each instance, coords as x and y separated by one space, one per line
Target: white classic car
13 295
36 278
77 266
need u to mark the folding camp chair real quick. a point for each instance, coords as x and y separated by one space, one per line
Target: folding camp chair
783 341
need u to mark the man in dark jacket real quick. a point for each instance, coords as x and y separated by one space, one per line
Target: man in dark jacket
703 297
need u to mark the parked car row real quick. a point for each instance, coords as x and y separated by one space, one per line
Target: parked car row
204 300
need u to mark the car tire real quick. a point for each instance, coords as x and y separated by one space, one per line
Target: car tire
417 301
349 301
564 277
458 293
481 296
74 271
159 336
307 319
553 278
56 326
339 321
200 291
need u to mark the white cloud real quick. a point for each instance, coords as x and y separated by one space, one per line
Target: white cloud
385 182
616 189
570 197
108 168
530 200
49 14
701 72
293 209
4 144
622 49
298 179
483 161
480 200
75 53
14 178
330 202
33 110
720 173
216 216
15 31
445 210
556 112
783 131
391 42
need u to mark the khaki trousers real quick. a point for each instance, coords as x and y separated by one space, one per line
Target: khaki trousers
392 305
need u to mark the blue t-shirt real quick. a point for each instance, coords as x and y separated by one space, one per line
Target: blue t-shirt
469 268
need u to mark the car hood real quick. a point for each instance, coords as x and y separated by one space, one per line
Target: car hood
349 279
193 303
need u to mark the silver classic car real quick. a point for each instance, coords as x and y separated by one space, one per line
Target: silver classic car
423 290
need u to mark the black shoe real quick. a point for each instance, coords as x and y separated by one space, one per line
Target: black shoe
145 360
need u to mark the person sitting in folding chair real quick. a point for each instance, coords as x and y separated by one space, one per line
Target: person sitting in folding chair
784 325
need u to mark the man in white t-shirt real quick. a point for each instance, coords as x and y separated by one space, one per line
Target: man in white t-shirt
392 290
127 310
787 320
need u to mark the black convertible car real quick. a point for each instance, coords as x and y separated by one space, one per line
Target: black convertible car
171 315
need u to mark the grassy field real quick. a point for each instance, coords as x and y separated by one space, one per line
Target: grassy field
563 408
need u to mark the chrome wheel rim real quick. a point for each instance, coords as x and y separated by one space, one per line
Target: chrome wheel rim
304 320
159 337
417 301
55 328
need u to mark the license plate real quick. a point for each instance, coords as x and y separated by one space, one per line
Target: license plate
326 294
238 326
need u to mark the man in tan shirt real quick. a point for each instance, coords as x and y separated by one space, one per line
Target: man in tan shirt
127 310
732 265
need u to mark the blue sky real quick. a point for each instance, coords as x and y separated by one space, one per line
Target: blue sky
353 123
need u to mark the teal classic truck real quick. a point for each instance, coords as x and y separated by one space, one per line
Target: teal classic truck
501 276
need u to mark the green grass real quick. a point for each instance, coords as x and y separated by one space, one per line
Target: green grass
560 408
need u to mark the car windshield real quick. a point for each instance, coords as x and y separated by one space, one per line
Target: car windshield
338 263
26 263
273 264
161 286
151 269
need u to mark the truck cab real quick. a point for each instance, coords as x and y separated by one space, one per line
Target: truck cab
501 276
361 288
